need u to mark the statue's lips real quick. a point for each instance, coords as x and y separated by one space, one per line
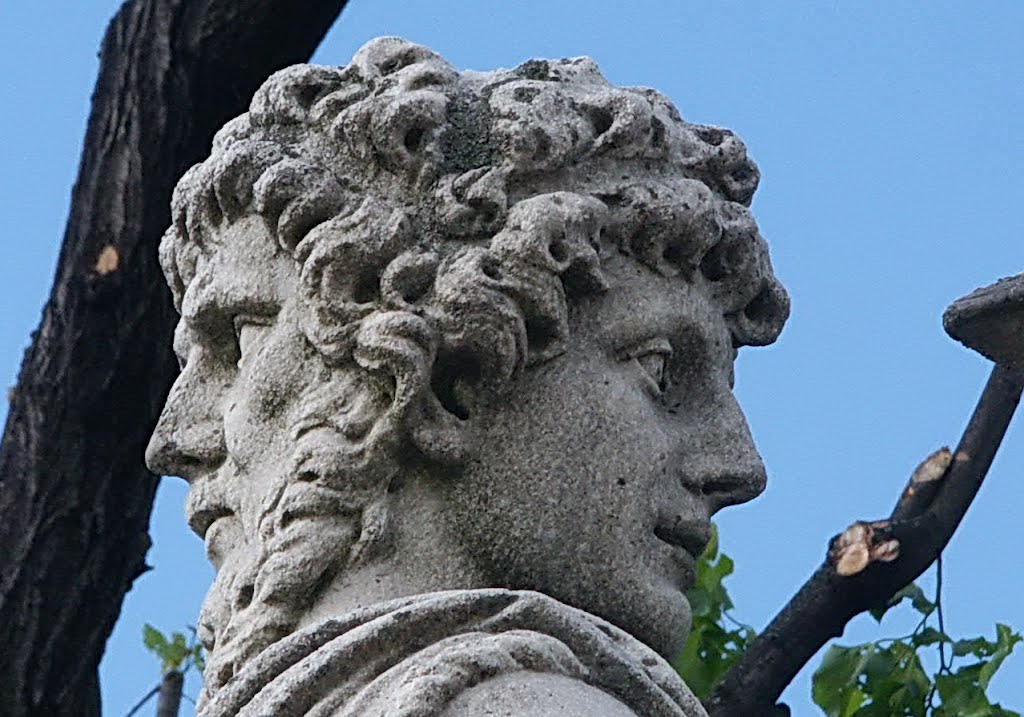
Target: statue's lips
206 504
690 535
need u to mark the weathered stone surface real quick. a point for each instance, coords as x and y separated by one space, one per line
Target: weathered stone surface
487 649
448 339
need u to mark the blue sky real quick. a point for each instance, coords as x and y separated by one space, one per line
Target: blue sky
889 140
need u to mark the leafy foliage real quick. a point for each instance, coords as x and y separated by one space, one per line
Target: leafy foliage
175 653
872 680
716 640
885 678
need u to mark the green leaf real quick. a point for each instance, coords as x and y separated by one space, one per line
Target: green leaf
911 592
961 696
894 682
176 653
198 658
173 653
978 646
835 684
929 636
880 666
854 699
999 711
153 639
711 551
713 646
700 603
1006 639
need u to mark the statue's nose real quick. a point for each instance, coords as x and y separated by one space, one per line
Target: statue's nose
729 470
185 453
189 437
734 486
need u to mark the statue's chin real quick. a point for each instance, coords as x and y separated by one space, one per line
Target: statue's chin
666 634
660 617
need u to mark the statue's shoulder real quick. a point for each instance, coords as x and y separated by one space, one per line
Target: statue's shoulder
466 653
536 694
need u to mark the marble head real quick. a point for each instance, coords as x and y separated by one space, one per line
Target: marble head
457 330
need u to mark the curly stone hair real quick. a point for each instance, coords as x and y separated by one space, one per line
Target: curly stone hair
467 208
443 222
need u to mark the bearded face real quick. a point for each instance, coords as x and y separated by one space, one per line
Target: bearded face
274 443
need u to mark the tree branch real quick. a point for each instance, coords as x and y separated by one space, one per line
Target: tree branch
170 694
861 571
75 496
145 698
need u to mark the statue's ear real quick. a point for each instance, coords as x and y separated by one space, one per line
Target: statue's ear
431 394
443 428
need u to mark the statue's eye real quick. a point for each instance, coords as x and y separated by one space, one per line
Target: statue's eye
249 334
654 364
652 357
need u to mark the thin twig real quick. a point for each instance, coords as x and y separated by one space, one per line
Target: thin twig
138 705
943 667
930 700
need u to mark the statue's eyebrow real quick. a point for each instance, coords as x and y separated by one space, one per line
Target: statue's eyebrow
680 329
211 300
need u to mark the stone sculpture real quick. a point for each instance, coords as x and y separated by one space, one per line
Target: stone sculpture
456 393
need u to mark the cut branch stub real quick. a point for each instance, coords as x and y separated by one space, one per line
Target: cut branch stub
924 483
850 550
861 544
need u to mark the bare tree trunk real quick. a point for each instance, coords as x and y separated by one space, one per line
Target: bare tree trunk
75 496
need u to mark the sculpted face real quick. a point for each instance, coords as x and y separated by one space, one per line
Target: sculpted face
446 331
228 423
594 483
227 418
596 480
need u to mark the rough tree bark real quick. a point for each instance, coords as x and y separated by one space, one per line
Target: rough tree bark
75 496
